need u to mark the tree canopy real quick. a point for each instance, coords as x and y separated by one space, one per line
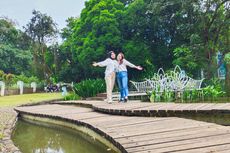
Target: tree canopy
151 33
15 56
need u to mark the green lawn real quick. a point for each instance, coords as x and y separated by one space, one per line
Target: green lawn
10 101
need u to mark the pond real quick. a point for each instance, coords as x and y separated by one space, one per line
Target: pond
46 138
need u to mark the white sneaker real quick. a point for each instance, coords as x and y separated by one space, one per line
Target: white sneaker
109 102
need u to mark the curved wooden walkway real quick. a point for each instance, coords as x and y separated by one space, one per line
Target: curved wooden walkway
141 134
136 108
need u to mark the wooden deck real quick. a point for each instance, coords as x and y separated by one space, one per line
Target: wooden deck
143 134
137 108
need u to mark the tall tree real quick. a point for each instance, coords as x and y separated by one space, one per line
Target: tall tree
96 32
68 71
214 23
41 29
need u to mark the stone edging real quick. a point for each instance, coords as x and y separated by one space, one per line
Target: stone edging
8 145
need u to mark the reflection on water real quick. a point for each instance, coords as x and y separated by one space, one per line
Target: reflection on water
33 138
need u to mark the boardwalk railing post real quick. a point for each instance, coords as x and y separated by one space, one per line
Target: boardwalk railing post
20 84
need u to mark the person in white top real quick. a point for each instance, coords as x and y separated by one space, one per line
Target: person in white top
110 64
122 76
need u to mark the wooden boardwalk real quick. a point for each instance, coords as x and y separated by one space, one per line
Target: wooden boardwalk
137 108
134 134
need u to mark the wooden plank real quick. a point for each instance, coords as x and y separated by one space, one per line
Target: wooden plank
185 145
159 129
83 116
155 123
171 134
180 138
138 122
225 148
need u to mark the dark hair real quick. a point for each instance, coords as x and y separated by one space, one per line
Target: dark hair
122 57
109 54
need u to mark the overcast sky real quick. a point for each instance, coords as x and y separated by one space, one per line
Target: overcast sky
21 10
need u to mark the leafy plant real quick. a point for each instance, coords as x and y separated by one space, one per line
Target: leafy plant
89 88
26 79
227 58
213 93
216 82
192 95
72 96
152 96
8 78
166 96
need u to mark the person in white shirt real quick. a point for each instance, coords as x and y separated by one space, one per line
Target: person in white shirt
122 76
110 63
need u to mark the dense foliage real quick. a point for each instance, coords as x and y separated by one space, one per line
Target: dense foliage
11 80
89 88
151 33
15 56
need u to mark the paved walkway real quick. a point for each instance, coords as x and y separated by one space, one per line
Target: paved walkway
141 134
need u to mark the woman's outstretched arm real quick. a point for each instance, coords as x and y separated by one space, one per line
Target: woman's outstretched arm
132 65
101 64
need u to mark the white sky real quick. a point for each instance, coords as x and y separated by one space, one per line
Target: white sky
21 10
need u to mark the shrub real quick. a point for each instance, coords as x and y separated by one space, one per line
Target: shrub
1 73
26 79
213 93
166 96
227 58
72 96
89 88
8 78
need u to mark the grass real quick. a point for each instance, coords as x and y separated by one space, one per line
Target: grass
11 101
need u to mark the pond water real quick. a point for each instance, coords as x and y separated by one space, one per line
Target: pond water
46 138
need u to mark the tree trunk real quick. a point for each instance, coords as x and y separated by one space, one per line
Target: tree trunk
227 80
43 62
56 61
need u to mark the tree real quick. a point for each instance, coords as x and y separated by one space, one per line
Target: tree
214 17
154 33
15 56
14 60
41 29
68 69
96 32
8 33
227 81
52 60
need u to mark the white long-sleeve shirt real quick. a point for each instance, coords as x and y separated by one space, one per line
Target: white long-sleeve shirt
123 66
111 66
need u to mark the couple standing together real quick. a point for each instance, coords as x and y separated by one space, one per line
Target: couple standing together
116 69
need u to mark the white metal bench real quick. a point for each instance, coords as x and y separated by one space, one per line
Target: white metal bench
174 81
